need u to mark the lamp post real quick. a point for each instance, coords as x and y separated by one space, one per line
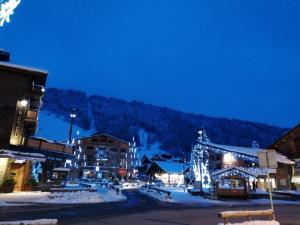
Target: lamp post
72 117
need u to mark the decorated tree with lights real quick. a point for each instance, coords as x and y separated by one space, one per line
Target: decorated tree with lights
200 161
255 144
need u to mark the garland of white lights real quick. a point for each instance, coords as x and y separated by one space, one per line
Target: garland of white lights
7 9
235 154
233 173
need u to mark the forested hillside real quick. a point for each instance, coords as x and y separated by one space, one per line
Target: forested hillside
175 130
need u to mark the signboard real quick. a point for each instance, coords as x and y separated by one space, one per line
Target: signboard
267 159
16 137
122 172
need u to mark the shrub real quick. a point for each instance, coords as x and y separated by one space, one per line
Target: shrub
8 182
31 182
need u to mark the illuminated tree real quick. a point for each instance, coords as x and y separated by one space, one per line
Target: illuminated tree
200 161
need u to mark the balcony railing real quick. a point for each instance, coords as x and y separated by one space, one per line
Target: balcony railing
50 146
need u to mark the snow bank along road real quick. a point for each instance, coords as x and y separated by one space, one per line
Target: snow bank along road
138 209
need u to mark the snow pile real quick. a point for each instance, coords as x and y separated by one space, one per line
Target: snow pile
80 197
128 186
178 195
72 198
261 191
31 222
23 196
254 222
297 192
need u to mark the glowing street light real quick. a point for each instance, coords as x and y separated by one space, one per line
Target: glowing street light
72 117
228 159
24 103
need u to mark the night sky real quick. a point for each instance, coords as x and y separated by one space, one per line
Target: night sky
236 59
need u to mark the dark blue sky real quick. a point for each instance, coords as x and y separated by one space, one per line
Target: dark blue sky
237 59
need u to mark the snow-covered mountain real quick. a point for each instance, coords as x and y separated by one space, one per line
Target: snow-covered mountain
175 130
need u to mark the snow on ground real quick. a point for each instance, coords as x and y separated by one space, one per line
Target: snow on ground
128 186
178 195
254 222
81 197
31 222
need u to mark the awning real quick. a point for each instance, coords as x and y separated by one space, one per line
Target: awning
51 155
22 155
237 171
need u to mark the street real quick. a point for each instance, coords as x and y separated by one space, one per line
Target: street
138 210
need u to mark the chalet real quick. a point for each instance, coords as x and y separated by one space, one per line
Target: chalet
169 172
148 157
21 156
232 165
233 171
289 145
101 156
21 91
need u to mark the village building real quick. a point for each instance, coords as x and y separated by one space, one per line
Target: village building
59 159
22 158
102 156
168 172
235 170
161 166
289 145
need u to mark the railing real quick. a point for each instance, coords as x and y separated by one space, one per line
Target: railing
226 215
44 145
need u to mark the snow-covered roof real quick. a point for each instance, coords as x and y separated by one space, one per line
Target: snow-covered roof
252 152
43 139
22 155
170 167
242 170
104 134
24 68
150 152
283 159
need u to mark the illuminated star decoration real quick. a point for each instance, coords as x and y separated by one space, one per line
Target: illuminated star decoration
7 9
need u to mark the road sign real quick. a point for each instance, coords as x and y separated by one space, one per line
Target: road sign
122 172
267 159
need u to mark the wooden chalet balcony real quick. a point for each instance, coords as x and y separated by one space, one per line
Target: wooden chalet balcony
49 146
31 115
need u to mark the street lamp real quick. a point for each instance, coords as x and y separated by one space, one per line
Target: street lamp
24 103
72 117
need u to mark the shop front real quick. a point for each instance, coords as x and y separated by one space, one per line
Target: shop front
233 182
17 168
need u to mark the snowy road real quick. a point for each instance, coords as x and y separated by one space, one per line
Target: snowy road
137 210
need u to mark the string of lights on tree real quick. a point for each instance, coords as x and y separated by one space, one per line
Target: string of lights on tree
36 169
200 161
7 9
